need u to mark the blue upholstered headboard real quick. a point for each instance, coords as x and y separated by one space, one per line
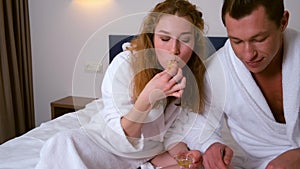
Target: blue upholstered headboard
116 42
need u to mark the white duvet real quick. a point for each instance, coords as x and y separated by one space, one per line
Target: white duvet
23 152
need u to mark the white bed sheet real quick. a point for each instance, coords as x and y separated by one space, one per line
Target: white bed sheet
23 152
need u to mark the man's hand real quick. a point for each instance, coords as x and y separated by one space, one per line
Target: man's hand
217 156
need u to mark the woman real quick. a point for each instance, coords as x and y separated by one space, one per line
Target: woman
149 96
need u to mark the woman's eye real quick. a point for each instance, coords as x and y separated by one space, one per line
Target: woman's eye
165 39
185 40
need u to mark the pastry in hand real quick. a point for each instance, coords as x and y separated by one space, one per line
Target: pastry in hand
171 63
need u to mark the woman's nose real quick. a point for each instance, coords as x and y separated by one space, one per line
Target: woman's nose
175 46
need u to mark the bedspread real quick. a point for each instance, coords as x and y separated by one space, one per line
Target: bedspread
23 152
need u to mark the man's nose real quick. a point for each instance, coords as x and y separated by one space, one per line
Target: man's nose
249 51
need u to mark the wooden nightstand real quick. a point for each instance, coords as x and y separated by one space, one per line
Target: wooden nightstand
68 104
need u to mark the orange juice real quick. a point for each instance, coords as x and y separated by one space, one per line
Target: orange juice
184 160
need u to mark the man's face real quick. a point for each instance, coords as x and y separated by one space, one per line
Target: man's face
255 39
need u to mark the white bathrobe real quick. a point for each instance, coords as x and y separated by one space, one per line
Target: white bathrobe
102 143
106 129
249 117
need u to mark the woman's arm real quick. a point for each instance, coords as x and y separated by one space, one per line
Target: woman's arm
167 159
159 87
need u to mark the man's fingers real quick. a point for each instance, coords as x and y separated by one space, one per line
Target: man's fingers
227 155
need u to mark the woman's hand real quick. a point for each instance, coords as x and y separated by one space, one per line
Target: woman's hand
169 82
197 159
179 150
166 83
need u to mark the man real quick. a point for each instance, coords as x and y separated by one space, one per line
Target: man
261 63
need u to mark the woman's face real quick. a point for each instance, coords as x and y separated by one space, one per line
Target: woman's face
173 40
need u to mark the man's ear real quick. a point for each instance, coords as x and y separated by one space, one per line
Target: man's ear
284 20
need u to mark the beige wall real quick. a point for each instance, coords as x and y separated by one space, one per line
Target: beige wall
68 34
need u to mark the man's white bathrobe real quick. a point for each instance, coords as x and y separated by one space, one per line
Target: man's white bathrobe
249 117
102 143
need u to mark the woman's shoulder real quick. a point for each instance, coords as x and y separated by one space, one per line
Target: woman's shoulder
121 57
120 63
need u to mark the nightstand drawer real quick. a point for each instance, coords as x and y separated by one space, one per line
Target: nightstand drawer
68 104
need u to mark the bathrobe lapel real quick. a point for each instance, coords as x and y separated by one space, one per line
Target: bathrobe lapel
291 86
250 91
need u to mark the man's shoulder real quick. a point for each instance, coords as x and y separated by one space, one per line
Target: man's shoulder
220 53
291 33
291 40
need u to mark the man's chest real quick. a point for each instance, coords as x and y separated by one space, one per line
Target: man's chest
272 91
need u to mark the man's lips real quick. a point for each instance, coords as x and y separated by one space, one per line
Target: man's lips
254 63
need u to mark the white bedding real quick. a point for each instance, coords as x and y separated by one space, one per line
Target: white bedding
23 152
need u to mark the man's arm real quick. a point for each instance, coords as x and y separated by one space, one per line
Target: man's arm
287 160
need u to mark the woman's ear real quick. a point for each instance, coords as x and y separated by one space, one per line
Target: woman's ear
284 20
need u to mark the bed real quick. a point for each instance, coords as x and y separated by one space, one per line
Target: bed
23 152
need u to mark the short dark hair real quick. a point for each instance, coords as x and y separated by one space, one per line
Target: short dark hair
240 8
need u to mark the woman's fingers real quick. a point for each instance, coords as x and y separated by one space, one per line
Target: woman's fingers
177 89
170 85
175 77
178 76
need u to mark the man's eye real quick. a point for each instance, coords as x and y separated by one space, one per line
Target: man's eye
236 41
260 39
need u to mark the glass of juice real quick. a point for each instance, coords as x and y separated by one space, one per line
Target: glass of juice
184 160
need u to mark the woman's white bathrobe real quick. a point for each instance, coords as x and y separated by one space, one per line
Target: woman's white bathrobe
102 143
249 117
